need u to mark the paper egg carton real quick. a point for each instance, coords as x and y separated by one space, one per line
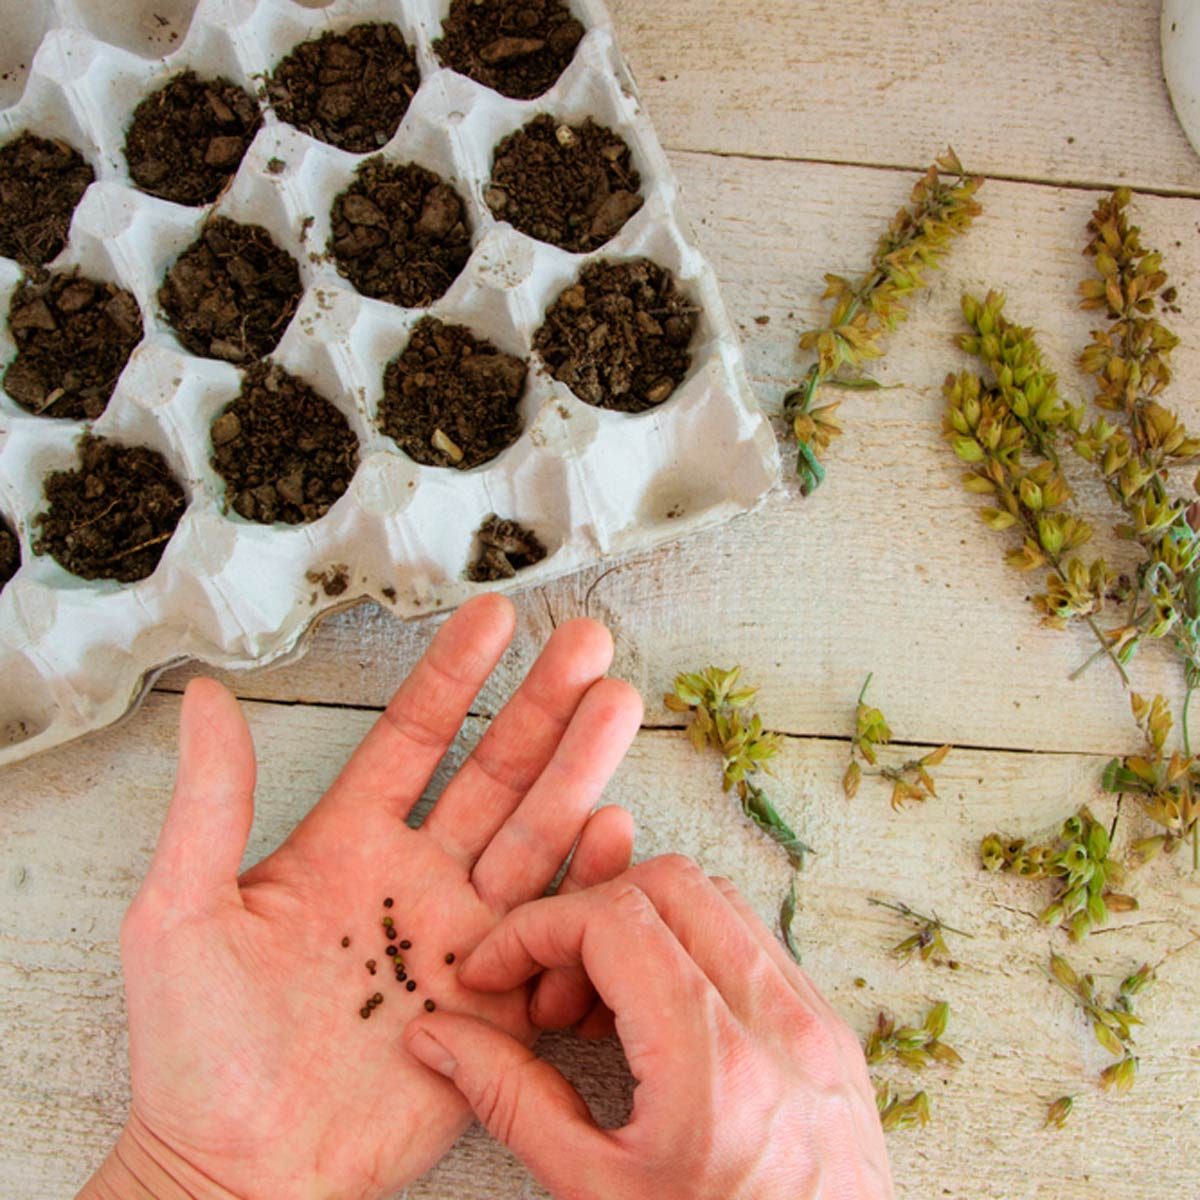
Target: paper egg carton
76 655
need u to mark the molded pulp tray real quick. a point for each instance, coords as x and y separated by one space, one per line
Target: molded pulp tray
591 483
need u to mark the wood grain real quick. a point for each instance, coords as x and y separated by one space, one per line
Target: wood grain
63 1084
887 567
1068 92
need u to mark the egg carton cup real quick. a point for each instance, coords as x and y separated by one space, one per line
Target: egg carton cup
76 655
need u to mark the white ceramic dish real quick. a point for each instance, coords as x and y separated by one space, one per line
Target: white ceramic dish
1181 62
74 655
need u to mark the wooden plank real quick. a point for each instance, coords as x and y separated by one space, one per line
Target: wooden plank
76 834
1063 92
886 568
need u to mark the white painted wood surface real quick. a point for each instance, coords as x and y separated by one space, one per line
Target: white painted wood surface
784 120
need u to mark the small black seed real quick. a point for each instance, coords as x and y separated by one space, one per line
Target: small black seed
391 950
430 1006
378 997
364 1013
449 958
345 942
401 976
411 985
391 934
406 944
388 902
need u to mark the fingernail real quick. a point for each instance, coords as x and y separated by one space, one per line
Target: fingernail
425 1048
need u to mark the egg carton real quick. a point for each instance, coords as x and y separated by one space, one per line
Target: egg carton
77 655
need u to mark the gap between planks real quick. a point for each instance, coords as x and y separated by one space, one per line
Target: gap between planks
789 734
918 168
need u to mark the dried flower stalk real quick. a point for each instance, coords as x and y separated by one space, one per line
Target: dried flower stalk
1113 1024
719 716
916 1046
1164 787
928 941
1009 425
1079 863
911 781
941 208
895 1112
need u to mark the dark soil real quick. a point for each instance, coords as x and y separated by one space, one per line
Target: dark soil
400 233
231 294
41 184
451 400
517 47
10 553
334 579
74 336
285 453
618 337
112 516
571 185
502 549
350 89
187 139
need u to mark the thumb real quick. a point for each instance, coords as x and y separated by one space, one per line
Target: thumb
204 836
521 1099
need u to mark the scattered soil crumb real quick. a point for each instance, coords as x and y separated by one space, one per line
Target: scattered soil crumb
349 89
16 731
763 320
618 337
502 548
187 139
451 399
276 166
517 47
231 294
10 553
74 336
285 452
334 580
399 233
41 184
389 593
305 225
573 186
112 516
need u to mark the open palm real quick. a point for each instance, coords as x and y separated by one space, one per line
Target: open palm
251 1061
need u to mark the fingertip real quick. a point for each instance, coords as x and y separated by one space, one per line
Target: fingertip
490 611
604 850
213 731
204 693
617 703
420 1039
617 825
589 639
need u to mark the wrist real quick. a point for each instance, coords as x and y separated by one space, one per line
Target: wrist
142 1167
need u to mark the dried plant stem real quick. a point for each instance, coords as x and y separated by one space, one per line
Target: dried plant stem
912 914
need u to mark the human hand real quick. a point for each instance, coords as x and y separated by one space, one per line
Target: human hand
749 1085
253 1073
